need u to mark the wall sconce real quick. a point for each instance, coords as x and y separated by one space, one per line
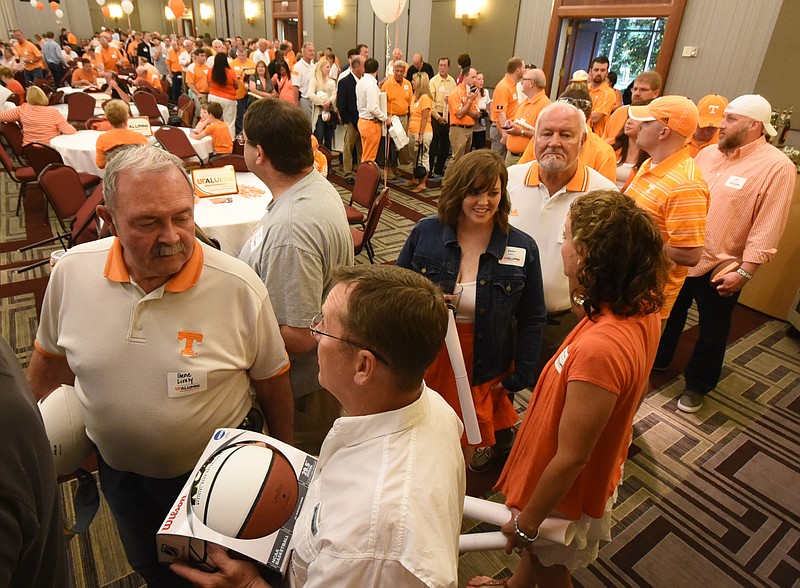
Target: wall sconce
331 10
468 11
168 13
115 11
206 12
250 11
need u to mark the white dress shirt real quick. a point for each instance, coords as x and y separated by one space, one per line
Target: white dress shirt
368 98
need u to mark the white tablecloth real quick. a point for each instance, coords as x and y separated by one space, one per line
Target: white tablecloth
63 109
231 223
79 150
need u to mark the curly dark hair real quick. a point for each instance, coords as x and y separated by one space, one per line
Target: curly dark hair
623 266
473 173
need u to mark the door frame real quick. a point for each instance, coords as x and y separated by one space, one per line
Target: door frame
564 10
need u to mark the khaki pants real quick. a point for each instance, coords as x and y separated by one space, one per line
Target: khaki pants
351 139
460 141
370 131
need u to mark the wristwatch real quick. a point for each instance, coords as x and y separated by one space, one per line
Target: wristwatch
744 274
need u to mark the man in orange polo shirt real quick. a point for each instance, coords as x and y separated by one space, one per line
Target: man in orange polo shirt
603 97
242 66
399 96
670 186
30 57
85 75
519 136
504 104
646 88
107 57
176 69
197 79
463 113
712 110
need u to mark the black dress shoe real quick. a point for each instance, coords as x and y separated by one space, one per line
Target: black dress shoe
350 180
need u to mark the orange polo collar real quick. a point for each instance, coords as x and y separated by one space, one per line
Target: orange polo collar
188 276
578 182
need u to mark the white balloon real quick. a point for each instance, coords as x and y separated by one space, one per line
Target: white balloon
388 10
127 6
33 3
101 2
59 13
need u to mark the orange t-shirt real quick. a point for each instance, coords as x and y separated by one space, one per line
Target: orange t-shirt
414 121
676 196
505 99
455 101
173 60
614 353
603 100
599 155
398 96
528 110
615 123
321 163
290 58
242 70
81 76
108 58
26 51
226 91
198 75
220 136
115 138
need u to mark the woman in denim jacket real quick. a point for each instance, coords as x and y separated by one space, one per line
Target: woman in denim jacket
501 311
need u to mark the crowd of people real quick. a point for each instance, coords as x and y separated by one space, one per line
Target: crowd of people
571 237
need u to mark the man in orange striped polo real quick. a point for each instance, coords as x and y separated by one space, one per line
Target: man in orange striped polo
670 186
751 184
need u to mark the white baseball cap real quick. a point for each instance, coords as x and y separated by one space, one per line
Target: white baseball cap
753 106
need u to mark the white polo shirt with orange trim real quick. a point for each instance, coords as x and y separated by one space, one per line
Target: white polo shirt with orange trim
542 216
157 373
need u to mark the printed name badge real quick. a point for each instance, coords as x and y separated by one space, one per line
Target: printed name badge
257 238
140 124
214 181
513 256
735 182
562 359
186 383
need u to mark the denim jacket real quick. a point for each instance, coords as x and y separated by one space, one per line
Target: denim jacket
509 308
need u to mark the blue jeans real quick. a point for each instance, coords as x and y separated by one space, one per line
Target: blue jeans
241 108
324 132
33 74
177 86
139 505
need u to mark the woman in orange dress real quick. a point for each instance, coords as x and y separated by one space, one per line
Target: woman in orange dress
501 310
567 459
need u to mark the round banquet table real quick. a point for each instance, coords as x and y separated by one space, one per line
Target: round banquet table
79 150
231 223
98 111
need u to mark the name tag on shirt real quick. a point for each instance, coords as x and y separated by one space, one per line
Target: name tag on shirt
513 256
257 238
735 182
186 383
561 359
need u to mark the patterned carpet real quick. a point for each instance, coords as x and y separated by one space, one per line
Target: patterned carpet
711 499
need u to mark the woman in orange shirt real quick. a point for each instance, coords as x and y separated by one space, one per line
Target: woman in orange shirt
40 123
282 81
223 84
119 134
7 76
567 459
420 130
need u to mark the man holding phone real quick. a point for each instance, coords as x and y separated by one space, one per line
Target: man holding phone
463 113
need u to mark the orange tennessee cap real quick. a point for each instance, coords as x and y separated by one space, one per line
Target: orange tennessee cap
712 110
678 113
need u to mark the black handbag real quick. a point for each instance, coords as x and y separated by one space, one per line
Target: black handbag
419 171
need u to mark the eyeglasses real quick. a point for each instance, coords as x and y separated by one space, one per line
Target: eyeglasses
241 139
317 320
578 103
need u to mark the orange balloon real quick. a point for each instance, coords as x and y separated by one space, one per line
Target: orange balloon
177 7
106 12
39 6
54 5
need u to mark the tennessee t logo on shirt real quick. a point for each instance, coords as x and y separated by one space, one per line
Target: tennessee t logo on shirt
189 338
